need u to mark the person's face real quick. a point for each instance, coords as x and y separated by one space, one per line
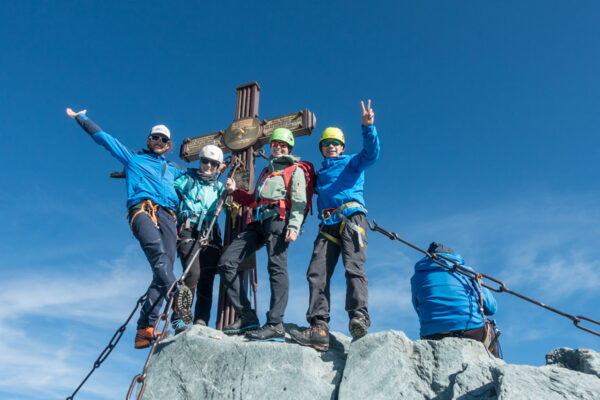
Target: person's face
208 166
279 149
331 148
158 144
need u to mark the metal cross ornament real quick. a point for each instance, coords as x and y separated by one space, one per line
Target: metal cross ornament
243 138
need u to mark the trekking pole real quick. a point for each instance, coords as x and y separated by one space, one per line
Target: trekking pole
204 239
140 379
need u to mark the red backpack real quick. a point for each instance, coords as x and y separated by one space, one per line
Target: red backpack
287 173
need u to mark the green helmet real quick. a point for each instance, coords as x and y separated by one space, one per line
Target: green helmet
283 135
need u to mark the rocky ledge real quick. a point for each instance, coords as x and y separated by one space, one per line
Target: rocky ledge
202 363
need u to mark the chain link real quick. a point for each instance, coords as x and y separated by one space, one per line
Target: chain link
471 274
111 345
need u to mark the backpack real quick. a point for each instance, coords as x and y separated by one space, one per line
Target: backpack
287 173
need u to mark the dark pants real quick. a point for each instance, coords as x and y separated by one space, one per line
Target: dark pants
204 268
325 257
475 334
269 233
158 243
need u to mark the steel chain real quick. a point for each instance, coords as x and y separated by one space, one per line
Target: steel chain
111 345
471 274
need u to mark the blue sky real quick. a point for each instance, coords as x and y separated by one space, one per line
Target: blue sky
487 115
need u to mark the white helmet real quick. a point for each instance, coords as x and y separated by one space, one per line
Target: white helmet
212 152
160 130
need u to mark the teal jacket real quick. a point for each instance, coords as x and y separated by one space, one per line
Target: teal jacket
198 199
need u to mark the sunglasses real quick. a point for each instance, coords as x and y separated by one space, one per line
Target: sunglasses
276 143
214 163
326 143
156 138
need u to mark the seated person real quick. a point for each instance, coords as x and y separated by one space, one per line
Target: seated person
450 304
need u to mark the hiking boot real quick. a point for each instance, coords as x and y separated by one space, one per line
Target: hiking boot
358 325
244 323
182 304
200 322
268 333
178 325
316 336
145 337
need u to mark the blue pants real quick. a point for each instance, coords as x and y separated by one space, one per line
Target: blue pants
158 243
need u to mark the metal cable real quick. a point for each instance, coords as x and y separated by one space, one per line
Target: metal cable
474 275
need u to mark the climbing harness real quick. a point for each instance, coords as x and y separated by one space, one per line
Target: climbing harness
473 275
284 204
362 235
148 207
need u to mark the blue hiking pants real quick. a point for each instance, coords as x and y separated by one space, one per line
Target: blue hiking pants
158 243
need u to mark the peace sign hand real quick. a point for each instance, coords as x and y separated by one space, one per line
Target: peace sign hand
368 116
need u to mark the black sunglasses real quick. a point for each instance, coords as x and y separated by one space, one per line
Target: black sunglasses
156 138
205 160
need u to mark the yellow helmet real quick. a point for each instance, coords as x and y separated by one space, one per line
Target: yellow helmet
333 133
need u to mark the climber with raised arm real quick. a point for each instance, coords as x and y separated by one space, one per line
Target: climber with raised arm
342 232
151 206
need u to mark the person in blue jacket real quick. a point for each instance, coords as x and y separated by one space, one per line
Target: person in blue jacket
342 231
450 304
151 202
199 191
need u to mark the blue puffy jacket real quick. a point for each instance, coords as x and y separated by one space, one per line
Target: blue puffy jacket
445 300
341 179
149 176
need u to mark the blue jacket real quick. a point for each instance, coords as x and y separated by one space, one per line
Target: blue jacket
445 300
198 198
149 176
341 179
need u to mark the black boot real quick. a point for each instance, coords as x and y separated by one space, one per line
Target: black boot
316 336
358 325
244 323
269 332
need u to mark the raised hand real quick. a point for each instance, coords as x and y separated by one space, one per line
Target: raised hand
73 114
368 116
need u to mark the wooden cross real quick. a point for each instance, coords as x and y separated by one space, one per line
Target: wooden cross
243 138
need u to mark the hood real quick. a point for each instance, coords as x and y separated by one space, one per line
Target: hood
286 160
425 263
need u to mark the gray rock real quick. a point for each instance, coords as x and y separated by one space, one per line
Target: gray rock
388 365
547 382
203 363
582 360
